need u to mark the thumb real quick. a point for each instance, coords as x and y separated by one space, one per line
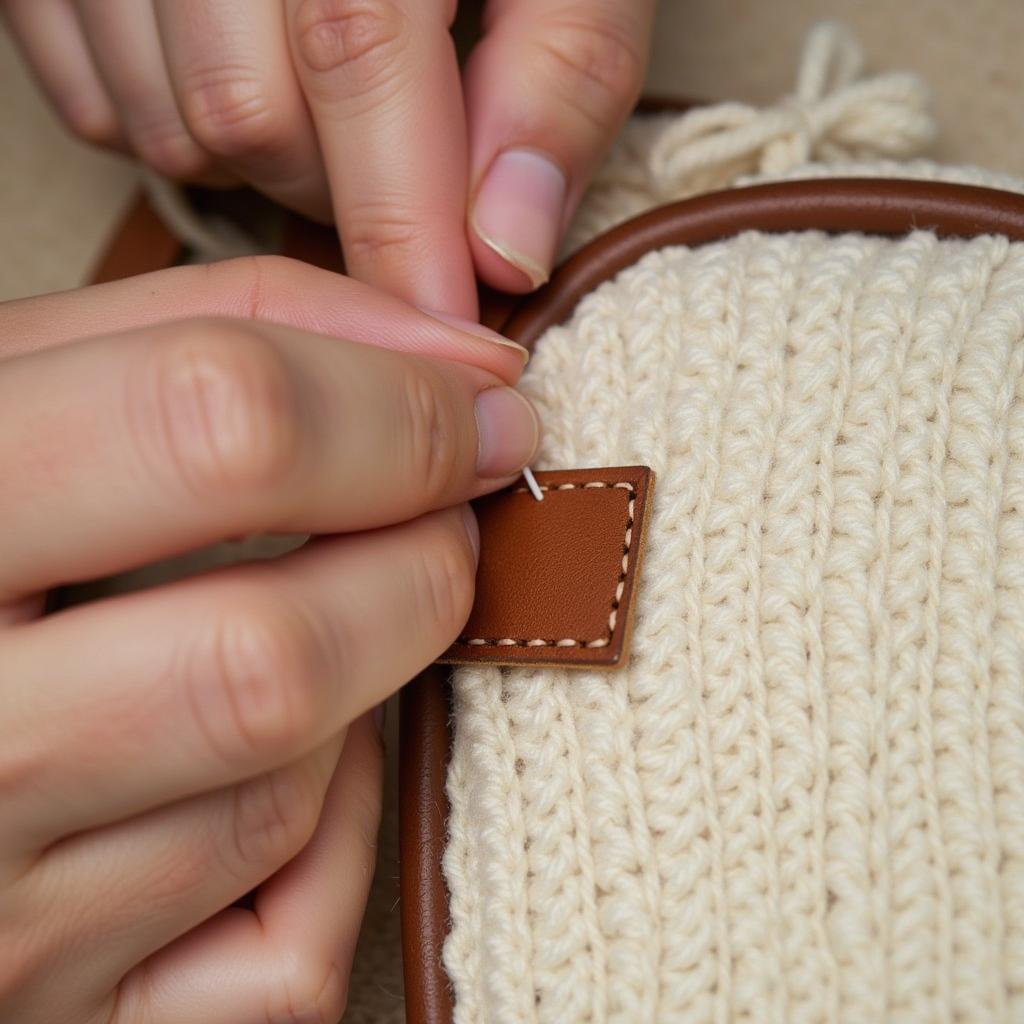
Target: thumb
546 91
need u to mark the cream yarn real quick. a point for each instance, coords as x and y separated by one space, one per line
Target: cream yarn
833 115
803 798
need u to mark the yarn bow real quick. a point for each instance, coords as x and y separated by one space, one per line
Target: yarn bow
833 115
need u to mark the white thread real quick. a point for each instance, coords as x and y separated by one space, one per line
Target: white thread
210 238
531 482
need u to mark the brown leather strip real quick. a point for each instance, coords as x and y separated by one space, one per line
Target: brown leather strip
423 744
140 244
556 579
881 206
872 206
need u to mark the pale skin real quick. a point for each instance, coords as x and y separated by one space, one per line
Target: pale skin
356 110
166 752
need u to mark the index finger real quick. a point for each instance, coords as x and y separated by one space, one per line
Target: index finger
120 451
268 289
382 83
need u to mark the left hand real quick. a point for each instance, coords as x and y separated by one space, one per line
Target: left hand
355 108
166 751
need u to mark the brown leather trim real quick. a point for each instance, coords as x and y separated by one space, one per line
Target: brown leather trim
141 243
873 206
424 743
556 577
883 206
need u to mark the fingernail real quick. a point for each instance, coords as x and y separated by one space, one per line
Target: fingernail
472 529
472 327
380 716
518 211
508 431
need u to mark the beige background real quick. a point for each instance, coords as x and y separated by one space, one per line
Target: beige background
59 201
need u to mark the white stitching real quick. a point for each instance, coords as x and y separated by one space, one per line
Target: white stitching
619 589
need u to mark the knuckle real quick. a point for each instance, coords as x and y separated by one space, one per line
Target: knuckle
355 41
599 65
254 285
170 150
227 409
382 233
430 433
21 761
92 123
443 580
255 692
274 817
310 992
230 113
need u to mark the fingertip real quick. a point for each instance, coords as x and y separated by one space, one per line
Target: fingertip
546 90
496 271
517 214
480 331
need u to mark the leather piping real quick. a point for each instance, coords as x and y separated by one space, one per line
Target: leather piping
424 744
876 206
140 243
873 206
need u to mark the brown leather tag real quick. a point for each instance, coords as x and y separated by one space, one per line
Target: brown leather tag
557 577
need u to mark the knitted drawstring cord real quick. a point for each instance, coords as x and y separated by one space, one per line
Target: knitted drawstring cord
835 115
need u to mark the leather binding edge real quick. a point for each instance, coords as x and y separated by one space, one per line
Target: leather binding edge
877 206
140 244
874 206
615 648
424 743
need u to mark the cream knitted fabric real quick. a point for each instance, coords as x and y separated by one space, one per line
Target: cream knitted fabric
803 798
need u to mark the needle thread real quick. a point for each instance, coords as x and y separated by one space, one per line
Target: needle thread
531 482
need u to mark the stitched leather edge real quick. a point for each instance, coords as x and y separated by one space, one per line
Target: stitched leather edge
607 656
878 206
609 632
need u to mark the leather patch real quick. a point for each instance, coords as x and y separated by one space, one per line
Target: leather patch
557 577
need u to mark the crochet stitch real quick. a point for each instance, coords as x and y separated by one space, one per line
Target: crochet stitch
803 797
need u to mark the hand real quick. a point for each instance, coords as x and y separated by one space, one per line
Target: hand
355 107
165 752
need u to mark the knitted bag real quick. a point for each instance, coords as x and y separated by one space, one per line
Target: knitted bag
802 798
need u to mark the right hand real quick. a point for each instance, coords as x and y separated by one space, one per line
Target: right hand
357 109
165 752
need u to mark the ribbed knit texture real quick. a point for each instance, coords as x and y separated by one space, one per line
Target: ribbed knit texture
803 797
